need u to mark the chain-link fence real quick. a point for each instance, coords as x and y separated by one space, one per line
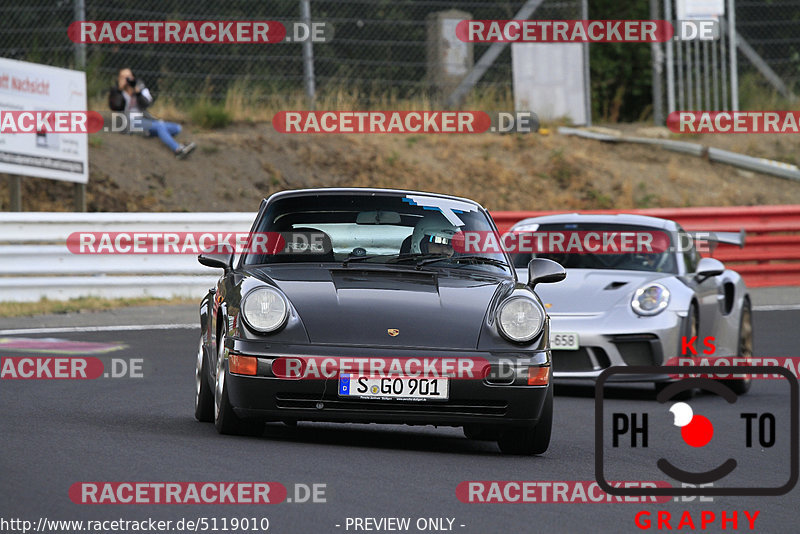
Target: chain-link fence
379 46
753 65
772 30
378 50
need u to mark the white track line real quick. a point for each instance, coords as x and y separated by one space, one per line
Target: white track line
121 328
777 307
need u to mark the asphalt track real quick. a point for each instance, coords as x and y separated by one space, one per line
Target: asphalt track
54 433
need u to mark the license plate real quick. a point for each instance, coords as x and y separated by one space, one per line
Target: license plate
564 340
393 387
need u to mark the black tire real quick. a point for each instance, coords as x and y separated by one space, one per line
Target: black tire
225 419
476 432
690 329
204 396
745 349
530 440
482 432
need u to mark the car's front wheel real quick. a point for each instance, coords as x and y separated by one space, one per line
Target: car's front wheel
225 419
204 397
529 440
742 386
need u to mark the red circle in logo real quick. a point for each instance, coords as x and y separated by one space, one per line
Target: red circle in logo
698 432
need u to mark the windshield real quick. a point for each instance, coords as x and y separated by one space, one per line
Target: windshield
662 259
418 230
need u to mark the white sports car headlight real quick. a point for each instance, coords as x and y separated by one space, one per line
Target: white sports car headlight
265 309
520 319
650 300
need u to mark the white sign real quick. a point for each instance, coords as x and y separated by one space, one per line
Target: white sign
32 87
700 9
549 80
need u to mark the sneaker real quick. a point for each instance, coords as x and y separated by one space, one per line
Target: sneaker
185 150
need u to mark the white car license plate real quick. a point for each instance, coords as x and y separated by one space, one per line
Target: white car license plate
564 341
393 387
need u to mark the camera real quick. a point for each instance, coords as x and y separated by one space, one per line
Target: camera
131 81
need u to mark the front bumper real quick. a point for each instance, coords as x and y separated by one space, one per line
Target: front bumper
605 343
501 396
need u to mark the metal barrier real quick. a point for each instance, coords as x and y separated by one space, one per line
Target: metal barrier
35 262
770 257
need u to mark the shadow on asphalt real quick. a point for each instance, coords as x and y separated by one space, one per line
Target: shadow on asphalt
627 392
377 437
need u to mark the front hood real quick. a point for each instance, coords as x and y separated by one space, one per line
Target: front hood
593 291
359 306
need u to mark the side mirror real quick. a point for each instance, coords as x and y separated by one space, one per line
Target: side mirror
218 261
544 271
708 267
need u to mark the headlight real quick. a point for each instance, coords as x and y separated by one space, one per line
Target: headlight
265 309
520 319
650 300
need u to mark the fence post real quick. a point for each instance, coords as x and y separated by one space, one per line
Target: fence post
80 64
657 68
80 197
670 66
308 56
80 48
15 191
732 53
587 83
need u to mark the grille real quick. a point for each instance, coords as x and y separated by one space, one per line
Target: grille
309 402
583 359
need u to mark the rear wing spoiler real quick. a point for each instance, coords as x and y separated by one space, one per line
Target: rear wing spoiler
729 238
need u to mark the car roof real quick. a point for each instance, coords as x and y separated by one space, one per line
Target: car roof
366 191
620 218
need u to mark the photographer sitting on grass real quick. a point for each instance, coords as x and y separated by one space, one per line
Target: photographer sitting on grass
131 96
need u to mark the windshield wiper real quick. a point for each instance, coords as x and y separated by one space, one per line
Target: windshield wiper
412 256
393 258
469 259
362 258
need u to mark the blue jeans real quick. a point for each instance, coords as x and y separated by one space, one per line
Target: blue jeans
164 131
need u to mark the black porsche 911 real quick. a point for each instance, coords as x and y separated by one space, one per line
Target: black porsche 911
357 307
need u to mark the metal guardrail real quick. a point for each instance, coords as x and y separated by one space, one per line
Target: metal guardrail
35 261
743 161
770 257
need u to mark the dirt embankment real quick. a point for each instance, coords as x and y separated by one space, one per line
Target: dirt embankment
234 168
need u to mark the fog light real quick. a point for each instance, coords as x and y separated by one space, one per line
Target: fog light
538 376
242 365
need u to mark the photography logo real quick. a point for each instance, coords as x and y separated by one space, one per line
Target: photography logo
719 439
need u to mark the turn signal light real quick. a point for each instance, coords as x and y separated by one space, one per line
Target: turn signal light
538 376
242 365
